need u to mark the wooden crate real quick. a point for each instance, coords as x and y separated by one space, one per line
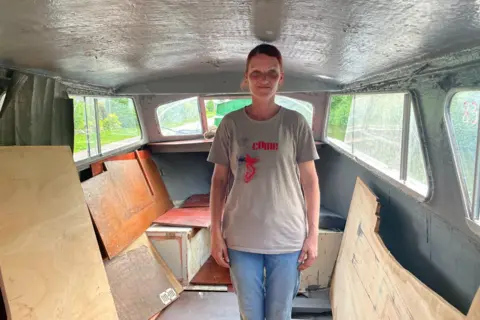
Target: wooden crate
184 249
320 274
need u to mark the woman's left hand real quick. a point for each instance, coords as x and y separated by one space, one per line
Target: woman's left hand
309 252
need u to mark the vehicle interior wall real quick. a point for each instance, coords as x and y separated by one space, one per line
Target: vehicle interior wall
431 239
184 174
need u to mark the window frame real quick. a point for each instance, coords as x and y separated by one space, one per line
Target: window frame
403 186
203 114
3 98
85 163
471 206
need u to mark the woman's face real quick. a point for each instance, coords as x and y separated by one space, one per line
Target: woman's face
263 76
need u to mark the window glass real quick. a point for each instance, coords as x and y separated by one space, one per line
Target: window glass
103 125
217 108
464 116
180 118
417 178
375 130
370 127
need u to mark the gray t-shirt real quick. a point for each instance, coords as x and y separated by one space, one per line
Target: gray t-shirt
265 211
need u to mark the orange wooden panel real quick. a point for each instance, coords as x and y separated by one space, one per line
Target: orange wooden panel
96 168
130 182
187 217
197 200
212 274
155 182
117 225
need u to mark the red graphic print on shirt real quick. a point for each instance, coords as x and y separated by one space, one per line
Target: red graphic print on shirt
251 170
250 161
262 145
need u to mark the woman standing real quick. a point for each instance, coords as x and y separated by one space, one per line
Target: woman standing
267 230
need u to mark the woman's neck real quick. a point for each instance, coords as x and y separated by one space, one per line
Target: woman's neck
262 109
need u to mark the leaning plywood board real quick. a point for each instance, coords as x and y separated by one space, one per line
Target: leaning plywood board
129 180
49 258
369 283
154 181
115 218
141 283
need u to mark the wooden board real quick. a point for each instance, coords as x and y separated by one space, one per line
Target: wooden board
369 283
197 200
141 284
117 226
320 273
187 217
49 258
129 180
155 182
212 274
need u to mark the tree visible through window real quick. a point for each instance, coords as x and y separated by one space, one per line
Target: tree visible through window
371 127
217 108
103 125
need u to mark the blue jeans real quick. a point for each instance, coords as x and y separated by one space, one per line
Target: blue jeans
265 297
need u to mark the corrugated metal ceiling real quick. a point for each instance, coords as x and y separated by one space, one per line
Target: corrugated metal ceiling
116 42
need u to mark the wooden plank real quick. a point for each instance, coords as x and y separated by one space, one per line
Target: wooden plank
128 179
49 258
212 274
474 312
96 168
369 283
197 200
187 217
205 288
141 284
117 226
157 186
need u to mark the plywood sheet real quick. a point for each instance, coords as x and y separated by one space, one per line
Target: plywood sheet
51 267
117 226
369 283
155 182
197 200
212 274
141 284
128 179
188 217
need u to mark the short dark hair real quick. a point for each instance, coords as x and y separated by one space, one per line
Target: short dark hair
266 49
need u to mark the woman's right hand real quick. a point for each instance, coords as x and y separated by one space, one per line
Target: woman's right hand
219 249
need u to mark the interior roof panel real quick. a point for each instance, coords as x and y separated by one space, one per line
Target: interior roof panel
112 43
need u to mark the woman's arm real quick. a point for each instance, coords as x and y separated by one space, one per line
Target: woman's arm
311 189
217 204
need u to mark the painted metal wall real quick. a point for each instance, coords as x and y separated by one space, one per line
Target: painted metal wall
184 174
430 239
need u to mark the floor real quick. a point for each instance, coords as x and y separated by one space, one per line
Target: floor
212 306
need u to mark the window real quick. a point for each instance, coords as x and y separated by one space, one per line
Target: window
180 118
184 117
463 116
216 108
103 125
382 131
